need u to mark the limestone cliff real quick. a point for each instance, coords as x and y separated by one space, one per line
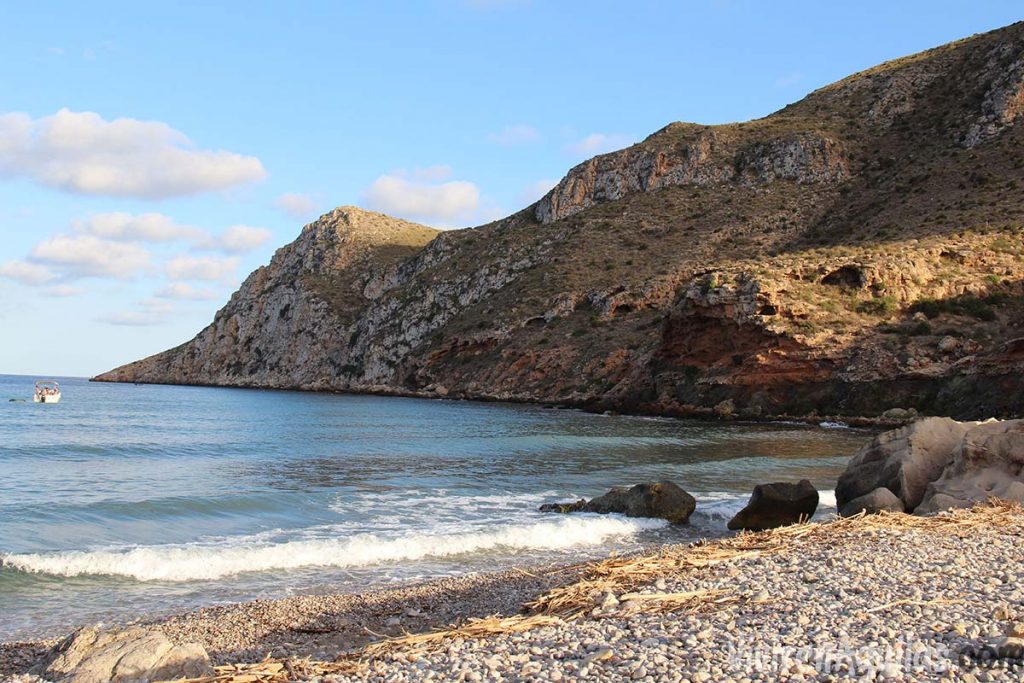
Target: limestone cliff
288 325
856 251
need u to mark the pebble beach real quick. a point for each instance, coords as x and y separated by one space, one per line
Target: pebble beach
887 597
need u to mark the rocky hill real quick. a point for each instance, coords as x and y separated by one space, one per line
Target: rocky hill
859 250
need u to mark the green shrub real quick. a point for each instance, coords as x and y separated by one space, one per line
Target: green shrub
965 305
883 305
920 329
930 307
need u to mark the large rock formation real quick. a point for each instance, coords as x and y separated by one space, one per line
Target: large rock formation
904 461
291 323
855 252
988 462
935 464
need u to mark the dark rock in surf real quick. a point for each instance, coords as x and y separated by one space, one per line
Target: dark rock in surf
775 505
661 500
564 507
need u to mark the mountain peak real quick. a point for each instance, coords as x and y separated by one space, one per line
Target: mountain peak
856 251
371 227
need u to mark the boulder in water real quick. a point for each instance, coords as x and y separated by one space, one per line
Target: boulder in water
903 460
873 503
775 505
661 500
564 507
987 463
94 655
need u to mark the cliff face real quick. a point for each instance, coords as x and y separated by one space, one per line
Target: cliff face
856 251
288 324
704 159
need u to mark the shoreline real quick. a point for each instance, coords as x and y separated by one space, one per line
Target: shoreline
321 625
592 406
701 611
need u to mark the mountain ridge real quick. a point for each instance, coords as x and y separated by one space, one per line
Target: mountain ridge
855 251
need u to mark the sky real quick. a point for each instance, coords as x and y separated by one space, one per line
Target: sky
153 154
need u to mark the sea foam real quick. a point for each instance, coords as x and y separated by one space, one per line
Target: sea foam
196 562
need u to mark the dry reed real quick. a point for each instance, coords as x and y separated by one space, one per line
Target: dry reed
622 574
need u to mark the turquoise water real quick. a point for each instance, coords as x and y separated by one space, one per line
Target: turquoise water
125 499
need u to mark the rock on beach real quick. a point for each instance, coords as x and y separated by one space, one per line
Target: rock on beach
775 505
935 464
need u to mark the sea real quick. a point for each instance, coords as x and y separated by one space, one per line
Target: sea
125 499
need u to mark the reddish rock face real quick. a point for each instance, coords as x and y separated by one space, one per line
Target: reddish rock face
844 256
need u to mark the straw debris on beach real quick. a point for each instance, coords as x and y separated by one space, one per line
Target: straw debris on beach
891 596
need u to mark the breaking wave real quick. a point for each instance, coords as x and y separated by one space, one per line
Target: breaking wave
195 562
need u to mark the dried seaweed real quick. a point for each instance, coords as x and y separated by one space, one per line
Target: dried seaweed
621 575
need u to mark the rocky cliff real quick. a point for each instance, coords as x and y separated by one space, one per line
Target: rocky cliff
857 251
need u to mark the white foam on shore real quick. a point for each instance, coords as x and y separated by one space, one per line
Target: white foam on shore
719 505
211 562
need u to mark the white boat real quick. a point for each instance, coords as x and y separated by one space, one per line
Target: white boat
47 391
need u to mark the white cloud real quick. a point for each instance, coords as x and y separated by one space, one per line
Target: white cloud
295 204
156 227
84 153
236 239
62 291
185 291
134 318
201 268
150 312
519 134
90 256
408 196
599 143
536 190
26 273
146 227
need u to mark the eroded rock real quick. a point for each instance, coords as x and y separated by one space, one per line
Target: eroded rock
872 503
988 462
94 655
903 460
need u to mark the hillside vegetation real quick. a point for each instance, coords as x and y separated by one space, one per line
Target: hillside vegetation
859 250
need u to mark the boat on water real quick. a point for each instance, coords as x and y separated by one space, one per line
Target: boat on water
47 391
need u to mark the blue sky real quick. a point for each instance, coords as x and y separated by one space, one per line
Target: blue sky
152 156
